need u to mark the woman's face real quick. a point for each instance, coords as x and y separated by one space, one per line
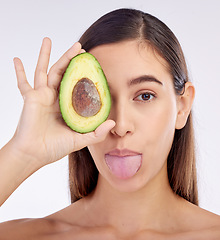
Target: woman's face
144 108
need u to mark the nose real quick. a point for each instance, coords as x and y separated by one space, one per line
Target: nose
123 118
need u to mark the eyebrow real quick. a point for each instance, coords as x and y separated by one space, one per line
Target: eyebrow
142 79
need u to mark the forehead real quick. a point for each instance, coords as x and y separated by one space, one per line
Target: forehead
130 59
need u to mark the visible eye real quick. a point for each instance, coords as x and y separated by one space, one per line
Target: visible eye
145 97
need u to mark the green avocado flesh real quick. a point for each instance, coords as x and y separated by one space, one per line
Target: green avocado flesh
84 96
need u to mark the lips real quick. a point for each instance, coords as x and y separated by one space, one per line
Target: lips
123 163
123 152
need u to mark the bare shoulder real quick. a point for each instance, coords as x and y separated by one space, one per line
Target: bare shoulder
30 229
59 225
199 223
192 223
201 217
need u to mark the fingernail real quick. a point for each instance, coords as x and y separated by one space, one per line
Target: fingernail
82 51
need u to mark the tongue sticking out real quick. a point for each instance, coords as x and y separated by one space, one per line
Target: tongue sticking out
123 167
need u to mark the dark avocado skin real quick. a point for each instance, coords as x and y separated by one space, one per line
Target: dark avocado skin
84 66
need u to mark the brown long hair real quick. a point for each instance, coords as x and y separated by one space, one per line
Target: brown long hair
127 24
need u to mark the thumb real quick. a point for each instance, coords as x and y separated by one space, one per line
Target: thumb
96 136
104 128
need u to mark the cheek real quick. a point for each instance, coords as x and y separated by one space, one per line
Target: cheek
164 121
157 129
158 119
156 134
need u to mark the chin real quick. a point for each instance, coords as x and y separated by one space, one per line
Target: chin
128 185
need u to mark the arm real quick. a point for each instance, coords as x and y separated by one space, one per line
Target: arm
14 169
41 136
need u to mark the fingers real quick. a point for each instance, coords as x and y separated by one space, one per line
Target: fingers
58 69
94 137
40 79
82 51
23 84
104 128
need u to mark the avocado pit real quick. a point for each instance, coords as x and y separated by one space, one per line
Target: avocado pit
85 98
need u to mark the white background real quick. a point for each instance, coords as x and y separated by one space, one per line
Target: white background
23 24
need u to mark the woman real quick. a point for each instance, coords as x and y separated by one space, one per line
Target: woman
134 177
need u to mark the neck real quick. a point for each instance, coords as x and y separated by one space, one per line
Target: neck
133 211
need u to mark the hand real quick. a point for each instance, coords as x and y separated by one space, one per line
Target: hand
41 133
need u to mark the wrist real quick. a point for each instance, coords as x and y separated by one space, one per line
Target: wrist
17 156
15 167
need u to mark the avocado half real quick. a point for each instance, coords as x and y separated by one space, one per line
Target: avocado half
84 96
